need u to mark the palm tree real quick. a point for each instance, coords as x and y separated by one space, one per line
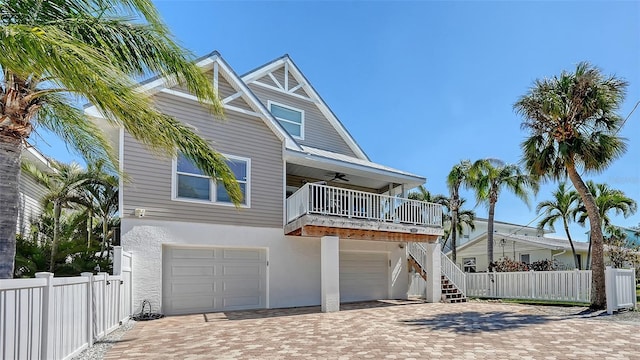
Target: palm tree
64 189
562 206
102 199
607 200
465 218
57 51
456 177
573 122
487 177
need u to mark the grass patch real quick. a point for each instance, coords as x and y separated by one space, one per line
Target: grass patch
541 302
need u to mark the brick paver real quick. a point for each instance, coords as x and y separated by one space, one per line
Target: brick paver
382 331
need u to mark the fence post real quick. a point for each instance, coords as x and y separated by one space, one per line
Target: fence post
90 308
117 260
610 289
48 317
532 285
576 280
633 288
104 277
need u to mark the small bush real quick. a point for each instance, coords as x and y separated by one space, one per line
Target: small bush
509 265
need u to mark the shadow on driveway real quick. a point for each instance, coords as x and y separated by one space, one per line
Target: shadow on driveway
472 322
271 313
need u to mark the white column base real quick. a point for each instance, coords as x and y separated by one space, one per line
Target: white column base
434 285
330 273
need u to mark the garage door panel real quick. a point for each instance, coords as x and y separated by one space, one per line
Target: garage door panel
363 276
241 302
222 279
193 270
192 303
192 254
242 270
242 254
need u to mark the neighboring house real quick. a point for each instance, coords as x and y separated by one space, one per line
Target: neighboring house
481 225
31 192
472 256
320 222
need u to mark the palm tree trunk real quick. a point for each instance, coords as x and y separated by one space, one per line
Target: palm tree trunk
573 249
454 227
492 210
89 228
57 211
105 229
598 294
10 157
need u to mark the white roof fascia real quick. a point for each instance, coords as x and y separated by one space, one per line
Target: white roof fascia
269 120
304 158
322 106
157 85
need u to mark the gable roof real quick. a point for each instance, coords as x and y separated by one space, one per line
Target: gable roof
213 60
538 241
275 64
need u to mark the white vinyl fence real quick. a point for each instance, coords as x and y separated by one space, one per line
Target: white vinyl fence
56 318
574 285
621 289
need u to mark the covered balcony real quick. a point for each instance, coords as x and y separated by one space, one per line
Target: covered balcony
318 210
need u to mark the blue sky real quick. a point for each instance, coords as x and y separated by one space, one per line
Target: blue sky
422 85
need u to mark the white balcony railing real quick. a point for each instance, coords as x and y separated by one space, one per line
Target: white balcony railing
333 201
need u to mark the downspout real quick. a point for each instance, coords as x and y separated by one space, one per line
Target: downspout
560 253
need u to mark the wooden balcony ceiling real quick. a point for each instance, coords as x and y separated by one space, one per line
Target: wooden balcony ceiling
360 229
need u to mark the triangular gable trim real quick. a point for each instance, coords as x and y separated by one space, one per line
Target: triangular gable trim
291 68
212 61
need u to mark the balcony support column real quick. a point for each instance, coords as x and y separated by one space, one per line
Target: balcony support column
433 291
330 273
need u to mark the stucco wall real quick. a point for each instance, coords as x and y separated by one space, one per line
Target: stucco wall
294 262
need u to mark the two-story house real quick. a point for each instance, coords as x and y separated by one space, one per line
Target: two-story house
320 222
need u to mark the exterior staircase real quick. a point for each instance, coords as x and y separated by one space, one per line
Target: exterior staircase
450 293
452 279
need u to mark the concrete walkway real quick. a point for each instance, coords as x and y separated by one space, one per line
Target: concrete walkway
380 330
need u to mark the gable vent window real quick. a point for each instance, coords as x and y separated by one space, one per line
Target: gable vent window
290 118
192 184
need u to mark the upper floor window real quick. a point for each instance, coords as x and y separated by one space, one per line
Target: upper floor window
290 118
192 184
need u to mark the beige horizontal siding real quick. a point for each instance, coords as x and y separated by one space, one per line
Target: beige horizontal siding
241 135
30 206
318 131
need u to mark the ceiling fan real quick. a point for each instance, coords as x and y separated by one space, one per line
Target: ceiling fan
339 176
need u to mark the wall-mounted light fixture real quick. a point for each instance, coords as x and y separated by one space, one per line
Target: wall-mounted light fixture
401 245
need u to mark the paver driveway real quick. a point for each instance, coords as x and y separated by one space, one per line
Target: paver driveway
382 331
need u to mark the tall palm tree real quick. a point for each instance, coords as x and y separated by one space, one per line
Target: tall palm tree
466 217
57 51
573 123
64 185
487 177
561 207
456 178
607 200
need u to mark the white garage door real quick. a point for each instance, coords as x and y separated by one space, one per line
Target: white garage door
213 279
363 276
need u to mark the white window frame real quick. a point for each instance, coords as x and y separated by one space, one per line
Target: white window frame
213 184
301 137
475 264
527 255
